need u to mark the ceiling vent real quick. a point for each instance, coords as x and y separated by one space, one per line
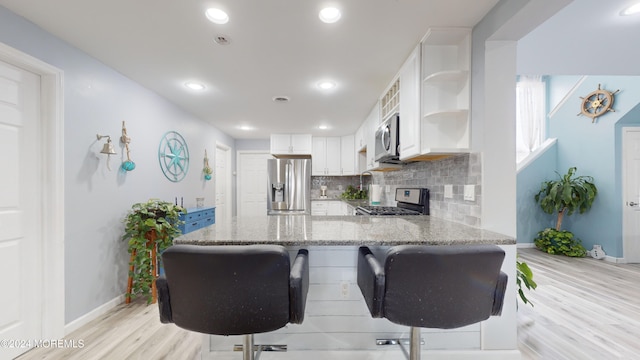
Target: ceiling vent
281 99
222 39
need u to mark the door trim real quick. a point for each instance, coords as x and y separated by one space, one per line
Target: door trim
625 245
228 190
52 154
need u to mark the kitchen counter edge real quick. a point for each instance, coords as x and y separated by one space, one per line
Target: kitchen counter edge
370 231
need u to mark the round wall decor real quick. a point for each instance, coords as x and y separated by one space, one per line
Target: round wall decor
597 103
173 155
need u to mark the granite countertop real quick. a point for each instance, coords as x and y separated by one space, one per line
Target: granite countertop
307 230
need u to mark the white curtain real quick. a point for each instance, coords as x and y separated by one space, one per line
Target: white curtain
530 115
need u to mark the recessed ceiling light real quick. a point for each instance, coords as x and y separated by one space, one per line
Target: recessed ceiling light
195 86
329 15
631 10
217 16
326 85
323 127
245 127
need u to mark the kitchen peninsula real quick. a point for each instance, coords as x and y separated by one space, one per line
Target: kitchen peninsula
336 316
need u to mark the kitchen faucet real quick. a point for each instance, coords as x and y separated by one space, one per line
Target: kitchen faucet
362 173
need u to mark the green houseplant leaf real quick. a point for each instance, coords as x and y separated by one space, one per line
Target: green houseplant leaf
157 217
524 276
566 195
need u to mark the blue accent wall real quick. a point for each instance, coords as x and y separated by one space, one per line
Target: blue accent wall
531 218
596 150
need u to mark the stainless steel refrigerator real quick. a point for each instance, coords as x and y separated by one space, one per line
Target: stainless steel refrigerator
289 186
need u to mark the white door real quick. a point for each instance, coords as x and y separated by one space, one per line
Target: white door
20 312
252 184
631 194
223 184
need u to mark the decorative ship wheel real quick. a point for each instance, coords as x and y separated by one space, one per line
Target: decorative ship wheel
597 103
173 155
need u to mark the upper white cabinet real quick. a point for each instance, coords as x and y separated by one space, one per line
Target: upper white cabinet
410 106
359 140
291 144
371 124
390 101
347 155
326 157
333 156
446 59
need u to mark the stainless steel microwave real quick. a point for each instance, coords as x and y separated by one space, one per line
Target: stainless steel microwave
387 144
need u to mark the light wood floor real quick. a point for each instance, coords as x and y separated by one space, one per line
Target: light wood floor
584 309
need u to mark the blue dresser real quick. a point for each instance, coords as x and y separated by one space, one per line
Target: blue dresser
197 218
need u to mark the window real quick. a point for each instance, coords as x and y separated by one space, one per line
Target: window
530 115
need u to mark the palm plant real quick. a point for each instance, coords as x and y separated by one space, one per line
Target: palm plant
564 196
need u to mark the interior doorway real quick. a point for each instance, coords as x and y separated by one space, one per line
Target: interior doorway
224 200
31 209
631 194
252 182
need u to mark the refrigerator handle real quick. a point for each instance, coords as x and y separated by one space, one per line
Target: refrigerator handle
287 182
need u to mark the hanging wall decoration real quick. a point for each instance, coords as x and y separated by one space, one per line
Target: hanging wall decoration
127 165
173 155
597 103
207 169
107 148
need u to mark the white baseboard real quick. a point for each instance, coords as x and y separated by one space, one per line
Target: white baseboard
525 245
614 260
92 315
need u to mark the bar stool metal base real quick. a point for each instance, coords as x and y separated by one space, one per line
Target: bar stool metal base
250 351
414 343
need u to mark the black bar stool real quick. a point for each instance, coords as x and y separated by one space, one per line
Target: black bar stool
233 290
441 287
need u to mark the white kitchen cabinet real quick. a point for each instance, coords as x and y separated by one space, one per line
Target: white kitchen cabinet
325 156
373 121
291 144
361 147
319 208
359 140
410 106
445 92
347 155
333 156
335 208
390 101
330 208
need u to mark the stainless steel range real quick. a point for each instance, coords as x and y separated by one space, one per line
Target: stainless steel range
413 201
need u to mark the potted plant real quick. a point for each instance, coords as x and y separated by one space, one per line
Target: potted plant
351 193
564 196
150 228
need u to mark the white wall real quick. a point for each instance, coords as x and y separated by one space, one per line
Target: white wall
494 61
97 99
588 37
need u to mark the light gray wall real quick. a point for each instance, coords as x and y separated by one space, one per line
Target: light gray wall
96 100
253 144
